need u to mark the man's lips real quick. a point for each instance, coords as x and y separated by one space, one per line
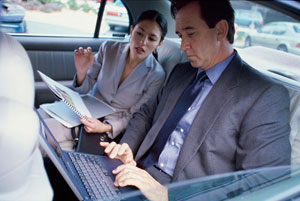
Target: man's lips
190 56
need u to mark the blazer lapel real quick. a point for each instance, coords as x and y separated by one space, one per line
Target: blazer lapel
140 72
213 105
122 54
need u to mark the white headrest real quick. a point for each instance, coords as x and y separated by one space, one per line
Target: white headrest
16 76
22 174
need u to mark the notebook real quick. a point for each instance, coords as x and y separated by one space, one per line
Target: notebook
89 176
72 106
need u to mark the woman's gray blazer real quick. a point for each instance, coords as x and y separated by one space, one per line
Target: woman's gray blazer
103 77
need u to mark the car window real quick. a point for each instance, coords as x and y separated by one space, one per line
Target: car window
115 19
253 20
296 28
63 18
280 29
267 29
273 32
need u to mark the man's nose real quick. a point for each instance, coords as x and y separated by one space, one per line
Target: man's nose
184 44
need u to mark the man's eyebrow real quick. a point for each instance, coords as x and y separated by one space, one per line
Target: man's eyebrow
141 28
185 29
188 28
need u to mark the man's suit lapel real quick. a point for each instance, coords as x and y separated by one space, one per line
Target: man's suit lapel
219 95
174 92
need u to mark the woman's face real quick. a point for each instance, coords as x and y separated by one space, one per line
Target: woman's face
145 37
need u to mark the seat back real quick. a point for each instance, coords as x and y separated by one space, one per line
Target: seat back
283 68
169 54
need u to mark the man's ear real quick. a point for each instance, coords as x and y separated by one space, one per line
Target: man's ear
222 29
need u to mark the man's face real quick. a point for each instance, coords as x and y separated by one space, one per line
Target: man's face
198 41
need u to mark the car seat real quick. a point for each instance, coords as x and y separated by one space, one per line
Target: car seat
22 172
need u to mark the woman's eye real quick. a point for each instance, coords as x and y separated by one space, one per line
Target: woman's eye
190 34
152 39
139 33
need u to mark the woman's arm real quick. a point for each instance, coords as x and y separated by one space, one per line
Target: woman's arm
84 84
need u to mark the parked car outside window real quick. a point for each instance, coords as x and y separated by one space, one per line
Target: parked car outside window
12 19
73 18
116 16
248 18
284 36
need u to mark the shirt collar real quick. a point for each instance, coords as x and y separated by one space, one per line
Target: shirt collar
215 72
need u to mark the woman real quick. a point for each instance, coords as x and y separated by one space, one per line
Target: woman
122 74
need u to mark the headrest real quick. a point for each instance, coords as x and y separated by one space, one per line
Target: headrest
169 54
16 76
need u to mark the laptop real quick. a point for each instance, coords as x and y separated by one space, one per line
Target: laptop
89 176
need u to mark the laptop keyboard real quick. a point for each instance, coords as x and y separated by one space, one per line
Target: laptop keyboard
94 177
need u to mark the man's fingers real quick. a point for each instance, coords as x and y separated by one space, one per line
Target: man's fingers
130 175
109 147
104 144
115 151
123 148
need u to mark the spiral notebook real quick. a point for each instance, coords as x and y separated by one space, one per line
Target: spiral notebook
72 106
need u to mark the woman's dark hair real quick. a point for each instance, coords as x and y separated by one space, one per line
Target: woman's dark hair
159 19
211 12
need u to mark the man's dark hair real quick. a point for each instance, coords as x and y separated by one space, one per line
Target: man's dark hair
212 11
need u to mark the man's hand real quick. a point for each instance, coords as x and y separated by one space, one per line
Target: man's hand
129 175
92 125
118 151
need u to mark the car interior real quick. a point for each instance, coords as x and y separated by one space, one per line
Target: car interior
53 55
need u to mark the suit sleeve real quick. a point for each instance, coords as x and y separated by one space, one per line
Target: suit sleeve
142 120
264 137
92 74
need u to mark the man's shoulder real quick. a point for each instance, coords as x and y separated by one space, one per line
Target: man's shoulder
253 78
250 74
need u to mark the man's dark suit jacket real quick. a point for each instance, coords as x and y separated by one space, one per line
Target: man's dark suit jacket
242 124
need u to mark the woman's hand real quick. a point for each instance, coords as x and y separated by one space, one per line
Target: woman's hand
83 59
129 175
92 125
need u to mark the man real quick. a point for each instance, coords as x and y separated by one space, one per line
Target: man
239 119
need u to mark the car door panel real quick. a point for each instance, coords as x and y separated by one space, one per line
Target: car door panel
54 57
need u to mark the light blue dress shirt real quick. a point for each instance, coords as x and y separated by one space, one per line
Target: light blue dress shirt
168 157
